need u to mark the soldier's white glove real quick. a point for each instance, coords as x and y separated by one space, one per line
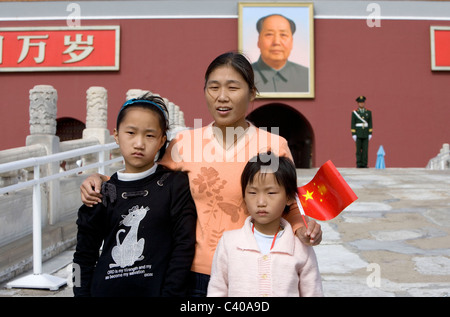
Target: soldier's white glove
370 136
354 137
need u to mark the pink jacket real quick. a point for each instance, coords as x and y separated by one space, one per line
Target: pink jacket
240 270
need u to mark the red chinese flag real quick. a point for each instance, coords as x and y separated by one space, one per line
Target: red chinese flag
327 194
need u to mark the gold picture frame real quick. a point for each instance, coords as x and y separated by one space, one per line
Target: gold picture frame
283 63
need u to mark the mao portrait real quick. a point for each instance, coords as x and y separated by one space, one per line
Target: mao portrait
278 40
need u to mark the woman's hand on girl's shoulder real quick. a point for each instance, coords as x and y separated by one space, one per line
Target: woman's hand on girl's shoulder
90 189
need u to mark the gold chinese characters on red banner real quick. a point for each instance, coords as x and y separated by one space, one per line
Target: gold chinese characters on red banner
28 49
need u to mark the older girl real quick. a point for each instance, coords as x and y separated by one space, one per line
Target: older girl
146 219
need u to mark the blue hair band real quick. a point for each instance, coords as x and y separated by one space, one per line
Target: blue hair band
137 101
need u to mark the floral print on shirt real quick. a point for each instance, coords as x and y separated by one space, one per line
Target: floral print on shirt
210 184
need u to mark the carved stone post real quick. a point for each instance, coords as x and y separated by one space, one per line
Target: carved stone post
97 115
135 93
43 99
96 121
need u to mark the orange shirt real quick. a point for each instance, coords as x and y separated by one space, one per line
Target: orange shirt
214 179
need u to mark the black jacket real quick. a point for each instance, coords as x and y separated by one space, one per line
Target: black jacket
148 229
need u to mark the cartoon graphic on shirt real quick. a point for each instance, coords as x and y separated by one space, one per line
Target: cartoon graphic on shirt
130 250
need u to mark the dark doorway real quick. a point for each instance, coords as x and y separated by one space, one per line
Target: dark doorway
292 125
69 129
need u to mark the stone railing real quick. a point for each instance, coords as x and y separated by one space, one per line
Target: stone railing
442 160
43 141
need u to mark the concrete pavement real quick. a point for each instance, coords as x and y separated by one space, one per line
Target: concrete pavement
393 241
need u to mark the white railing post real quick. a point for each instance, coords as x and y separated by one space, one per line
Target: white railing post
101 159
43 109
37 223
38 279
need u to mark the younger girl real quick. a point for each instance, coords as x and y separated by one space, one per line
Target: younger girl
147 218
264 258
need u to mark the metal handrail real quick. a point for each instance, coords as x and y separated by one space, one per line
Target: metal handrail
38 161
37 279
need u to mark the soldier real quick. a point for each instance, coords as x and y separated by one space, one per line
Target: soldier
361 131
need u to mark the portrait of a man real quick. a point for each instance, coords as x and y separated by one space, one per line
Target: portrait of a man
281 60
273 70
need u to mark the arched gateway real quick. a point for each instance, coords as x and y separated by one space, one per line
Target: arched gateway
292 125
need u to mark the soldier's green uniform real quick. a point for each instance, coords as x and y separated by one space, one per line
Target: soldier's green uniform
361 129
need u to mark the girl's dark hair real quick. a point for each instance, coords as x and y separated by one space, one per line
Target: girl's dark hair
282 168
152 103
239 62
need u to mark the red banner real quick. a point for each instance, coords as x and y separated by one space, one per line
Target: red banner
59 48
440 48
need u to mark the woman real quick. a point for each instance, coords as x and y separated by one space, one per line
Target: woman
214 157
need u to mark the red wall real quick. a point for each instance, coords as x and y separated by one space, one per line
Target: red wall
390 65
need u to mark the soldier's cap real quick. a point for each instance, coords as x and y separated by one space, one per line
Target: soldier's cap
361 99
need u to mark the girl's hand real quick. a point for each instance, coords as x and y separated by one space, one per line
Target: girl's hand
311 235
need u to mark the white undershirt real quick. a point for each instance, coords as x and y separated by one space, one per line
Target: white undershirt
264 241
127 177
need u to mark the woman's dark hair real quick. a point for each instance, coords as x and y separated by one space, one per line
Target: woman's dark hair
153 103
282 168
239 62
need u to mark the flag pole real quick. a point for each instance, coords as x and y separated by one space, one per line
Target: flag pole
302 212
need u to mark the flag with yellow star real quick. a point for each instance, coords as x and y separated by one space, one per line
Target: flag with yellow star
327 194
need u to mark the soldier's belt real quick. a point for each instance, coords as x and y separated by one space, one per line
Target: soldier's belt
364 125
